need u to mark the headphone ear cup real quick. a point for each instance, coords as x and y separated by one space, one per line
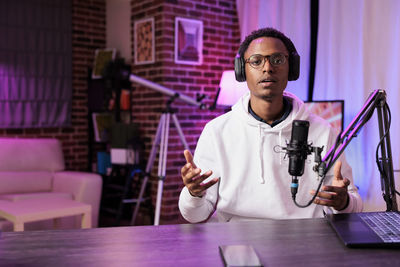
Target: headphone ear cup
294 66
240 73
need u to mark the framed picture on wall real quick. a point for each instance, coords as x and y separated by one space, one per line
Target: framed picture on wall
144 47
188 41
101 59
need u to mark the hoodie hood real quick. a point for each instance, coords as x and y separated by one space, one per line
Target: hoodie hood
299 112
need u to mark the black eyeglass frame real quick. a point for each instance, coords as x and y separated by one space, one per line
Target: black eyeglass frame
265 58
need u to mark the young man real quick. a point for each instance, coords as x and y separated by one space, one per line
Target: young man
245 178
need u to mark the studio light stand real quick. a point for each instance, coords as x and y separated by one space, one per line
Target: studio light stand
161 141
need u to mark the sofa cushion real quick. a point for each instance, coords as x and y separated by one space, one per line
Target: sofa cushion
25 182
31 154
46 196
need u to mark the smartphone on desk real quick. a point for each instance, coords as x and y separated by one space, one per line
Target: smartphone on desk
239 255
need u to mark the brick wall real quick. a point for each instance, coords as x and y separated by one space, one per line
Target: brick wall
88 24
220 43
221 38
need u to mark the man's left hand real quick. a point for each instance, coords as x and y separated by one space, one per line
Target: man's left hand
334 195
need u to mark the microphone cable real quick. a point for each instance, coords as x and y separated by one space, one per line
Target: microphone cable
294 187
378 163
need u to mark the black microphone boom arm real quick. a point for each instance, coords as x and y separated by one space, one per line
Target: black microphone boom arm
376 100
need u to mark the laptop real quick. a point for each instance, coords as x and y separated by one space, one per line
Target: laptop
367 229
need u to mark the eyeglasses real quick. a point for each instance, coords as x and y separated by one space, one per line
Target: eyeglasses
257 61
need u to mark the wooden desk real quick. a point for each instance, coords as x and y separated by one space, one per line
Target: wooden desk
278 243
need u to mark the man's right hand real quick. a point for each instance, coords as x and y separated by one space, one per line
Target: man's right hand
192 179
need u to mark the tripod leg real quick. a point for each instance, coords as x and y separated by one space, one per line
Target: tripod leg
162 161
179 129
149 165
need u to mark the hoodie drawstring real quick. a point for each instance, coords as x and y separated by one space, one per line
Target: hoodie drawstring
241 110
280 145
261 153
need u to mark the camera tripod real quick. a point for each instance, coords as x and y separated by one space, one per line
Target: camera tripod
161 140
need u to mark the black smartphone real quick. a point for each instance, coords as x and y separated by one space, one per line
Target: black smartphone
239 255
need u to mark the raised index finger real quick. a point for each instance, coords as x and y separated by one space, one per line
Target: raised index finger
189 158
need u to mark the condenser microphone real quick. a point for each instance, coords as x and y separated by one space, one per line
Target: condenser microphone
297 150
298 147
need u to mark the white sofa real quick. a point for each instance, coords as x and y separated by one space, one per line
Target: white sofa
35 169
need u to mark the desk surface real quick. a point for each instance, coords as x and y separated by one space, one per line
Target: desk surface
309 242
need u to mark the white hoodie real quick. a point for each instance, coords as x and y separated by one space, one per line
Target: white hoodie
254 180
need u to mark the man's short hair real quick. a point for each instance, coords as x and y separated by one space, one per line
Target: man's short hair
266 32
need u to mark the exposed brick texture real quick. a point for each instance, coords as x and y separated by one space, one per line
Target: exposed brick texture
88 25
220 43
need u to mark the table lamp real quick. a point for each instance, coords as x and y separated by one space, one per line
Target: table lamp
230 89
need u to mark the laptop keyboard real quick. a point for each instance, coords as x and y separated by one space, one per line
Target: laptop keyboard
385 224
